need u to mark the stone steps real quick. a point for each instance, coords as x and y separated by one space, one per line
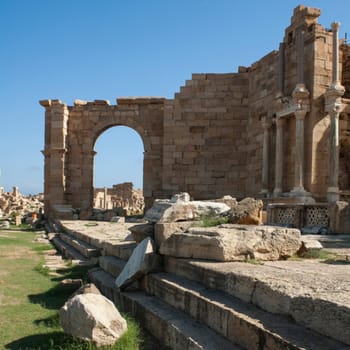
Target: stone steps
84 248
239 322
172 327
111 265
112 247
67 251
121 250
320 314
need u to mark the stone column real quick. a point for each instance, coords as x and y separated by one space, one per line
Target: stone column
105 198
300 56
334 107
299 152
266 123
333 188
335 28
279 157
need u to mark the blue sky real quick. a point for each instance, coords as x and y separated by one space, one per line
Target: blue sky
104 49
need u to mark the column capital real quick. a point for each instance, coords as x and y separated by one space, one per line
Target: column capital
335 26
300 114
280 121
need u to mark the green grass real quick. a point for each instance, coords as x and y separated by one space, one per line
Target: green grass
30 300
91 224
210 221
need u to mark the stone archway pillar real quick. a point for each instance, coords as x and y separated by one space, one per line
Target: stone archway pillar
56 124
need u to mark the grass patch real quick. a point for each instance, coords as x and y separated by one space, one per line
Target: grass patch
254 262
313 254
30 300
318 254
91 224
44 270
211 221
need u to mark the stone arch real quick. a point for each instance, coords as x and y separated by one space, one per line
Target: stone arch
70 136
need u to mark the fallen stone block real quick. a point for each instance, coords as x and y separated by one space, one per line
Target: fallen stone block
92 317
247 212
142 261
233 243
309 246
70 285
180 208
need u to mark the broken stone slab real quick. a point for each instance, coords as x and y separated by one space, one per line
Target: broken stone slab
92 317
233 243
142 261
309 245
71 285
180 208
247 212
141 231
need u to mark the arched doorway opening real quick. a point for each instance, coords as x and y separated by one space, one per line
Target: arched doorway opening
118 173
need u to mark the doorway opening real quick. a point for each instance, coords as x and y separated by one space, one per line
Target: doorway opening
118 174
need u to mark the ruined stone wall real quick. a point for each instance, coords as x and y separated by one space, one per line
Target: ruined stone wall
262 87
122 196
205 131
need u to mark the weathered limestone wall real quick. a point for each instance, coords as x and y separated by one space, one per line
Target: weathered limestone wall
205 136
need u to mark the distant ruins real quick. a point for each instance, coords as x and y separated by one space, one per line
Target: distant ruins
14 204
122 196
278 129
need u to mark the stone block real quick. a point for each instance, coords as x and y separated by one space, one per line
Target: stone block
162 231
233 243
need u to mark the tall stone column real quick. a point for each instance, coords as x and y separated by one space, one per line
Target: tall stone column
299 152
333 187
280 122
334 107
335 29
266 123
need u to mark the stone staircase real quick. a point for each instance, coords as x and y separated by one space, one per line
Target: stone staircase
187 306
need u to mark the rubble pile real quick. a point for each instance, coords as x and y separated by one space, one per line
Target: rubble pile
14 204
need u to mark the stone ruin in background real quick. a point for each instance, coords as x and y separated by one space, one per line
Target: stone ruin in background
122 199
16 207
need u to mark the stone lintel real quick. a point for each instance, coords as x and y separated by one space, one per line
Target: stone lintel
140 100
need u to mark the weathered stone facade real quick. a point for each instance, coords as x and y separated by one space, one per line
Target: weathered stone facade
270 129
